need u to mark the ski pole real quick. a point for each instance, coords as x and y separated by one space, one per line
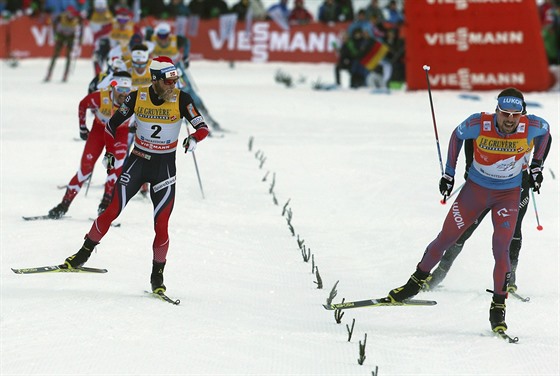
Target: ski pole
539 227
196 166
88 182
426 69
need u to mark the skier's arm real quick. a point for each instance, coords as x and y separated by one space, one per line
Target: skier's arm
193 116
90 101
468 129
125 111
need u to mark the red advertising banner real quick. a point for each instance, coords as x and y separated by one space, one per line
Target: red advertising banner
262 42
475 45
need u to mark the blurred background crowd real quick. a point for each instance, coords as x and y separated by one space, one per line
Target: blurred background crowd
370 22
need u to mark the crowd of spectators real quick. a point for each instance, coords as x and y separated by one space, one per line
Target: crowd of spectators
379 20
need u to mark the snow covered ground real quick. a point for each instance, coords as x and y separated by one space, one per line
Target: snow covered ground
361 175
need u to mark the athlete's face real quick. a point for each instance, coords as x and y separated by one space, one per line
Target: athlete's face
120 94
164 88
507 121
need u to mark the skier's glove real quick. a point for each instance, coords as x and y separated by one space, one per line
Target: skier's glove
446 185
535 175
109 162
84 132
189 144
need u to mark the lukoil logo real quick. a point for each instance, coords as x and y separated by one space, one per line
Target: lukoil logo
463 38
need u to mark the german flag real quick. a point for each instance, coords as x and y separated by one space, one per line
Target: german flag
374 55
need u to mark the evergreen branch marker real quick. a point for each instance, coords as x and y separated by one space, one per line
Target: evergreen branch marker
376 372
300 242
332 294
313 264
319 281
262 162
289 220
274 200
350 331
265 176
338 313
285 206
257 154
305 254
273 183
251 139
362 351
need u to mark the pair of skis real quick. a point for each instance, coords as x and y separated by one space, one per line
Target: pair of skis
84 269
387 302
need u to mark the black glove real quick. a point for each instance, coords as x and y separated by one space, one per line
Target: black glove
189 144
109 161
84 132
535 176
446 185
186 62
467 168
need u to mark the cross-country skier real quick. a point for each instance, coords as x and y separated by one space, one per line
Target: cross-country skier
159 110
103 103
503 143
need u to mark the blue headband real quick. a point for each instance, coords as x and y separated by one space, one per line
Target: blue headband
512 104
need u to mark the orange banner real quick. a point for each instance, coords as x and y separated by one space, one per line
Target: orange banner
475 45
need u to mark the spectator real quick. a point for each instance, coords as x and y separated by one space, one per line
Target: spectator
346 54
373 10
207 9
551 33
543 8
241 8
299 15
55 7
217 8
345 10
363 23
393 16
257 10
328 12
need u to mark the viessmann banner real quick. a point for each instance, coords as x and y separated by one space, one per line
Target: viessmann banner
260 42
475 45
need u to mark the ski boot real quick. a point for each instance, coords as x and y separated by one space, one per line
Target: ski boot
498 313
80 258
104 203
411 288
156 279
59 210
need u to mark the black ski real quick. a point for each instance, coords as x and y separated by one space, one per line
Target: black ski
58 269
503 335
46 217
381 302
165 298
520 297
40 218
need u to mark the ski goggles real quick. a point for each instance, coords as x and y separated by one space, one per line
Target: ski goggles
122 89
514 114
168 81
